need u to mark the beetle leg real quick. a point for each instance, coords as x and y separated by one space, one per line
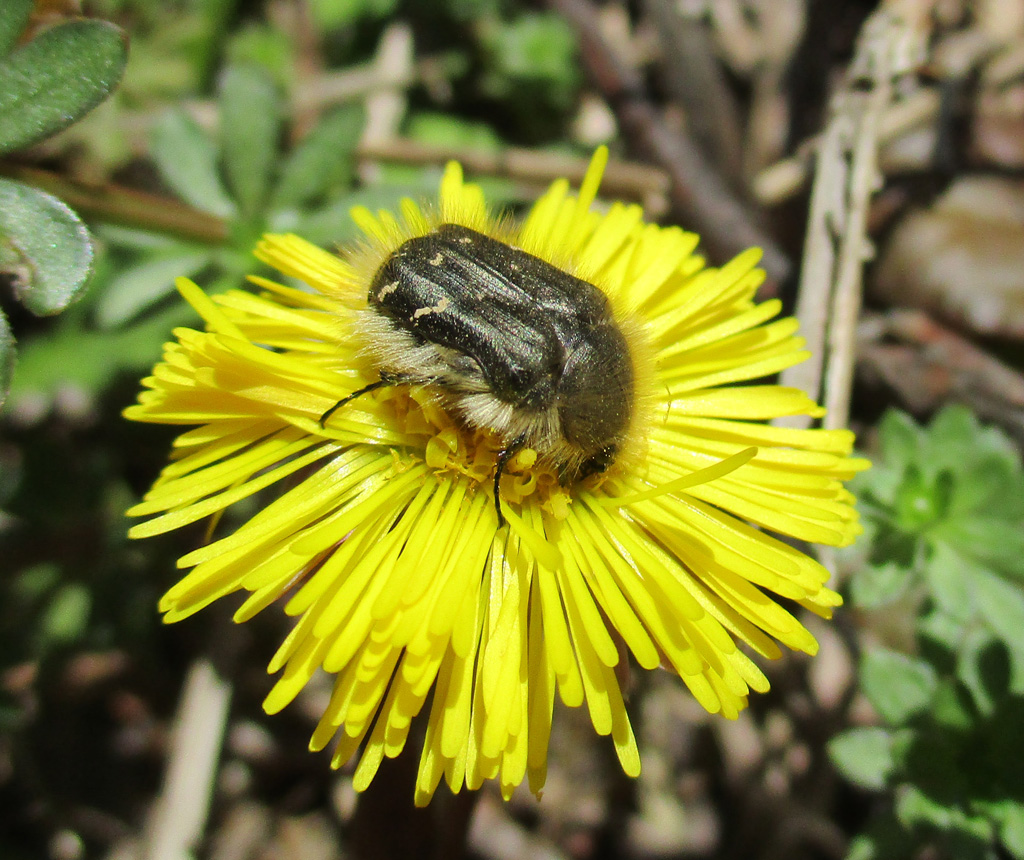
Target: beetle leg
506 454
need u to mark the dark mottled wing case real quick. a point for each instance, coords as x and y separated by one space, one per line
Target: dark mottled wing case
514 314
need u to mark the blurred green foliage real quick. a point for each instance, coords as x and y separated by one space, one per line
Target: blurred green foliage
944 511
46 83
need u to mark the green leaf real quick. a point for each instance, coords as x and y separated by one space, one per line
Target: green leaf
983 668
900 440
323 160
57 77
947 575
952 432
67 615
994 542
446 129
952 708
897 685
137 288
89 359
1001 605
250 119
332 14
1011 829
14 15
537 47
333 224
6 357
187 161
876 585
864 756
51 244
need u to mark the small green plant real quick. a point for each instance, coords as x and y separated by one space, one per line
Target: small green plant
46 84
944 508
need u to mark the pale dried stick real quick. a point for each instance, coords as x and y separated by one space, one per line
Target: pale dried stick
846 175
179 814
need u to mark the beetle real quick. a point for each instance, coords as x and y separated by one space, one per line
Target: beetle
512 343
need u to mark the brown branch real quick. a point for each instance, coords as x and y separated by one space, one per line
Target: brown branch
929 365
694 78
119 205
627 180
700 198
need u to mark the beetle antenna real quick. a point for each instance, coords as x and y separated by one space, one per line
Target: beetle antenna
506 454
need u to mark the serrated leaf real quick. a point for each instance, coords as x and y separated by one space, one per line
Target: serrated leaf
52 244
897 685
6 357
137 288
14 15
952 431
947 575
187 161
323 160
900 440
56 78
864 756
250 118
1001 605
993 542
983 668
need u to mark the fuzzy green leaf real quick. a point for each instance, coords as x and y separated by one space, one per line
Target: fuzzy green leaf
57 77
897 685
14 15
250 120
187 161
50 243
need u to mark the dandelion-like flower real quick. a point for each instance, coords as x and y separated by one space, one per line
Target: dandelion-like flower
384 535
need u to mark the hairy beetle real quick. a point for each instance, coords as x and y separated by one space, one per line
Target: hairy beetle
513 344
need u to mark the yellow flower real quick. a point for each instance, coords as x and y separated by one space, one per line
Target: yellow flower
384 534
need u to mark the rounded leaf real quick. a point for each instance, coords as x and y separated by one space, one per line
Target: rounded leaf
14 15
49 242
57 77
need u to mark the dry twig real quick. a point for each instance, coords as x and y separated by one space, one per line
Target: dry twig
928 364
700 198
837 246
179 813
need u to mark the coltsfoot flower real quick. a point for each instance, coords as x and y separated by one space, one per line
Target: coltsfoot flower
384 538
